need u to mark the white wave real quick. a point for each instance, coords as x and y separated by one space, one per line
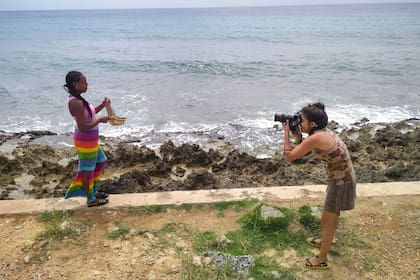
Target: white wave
175 127
123 131
256 123
349 114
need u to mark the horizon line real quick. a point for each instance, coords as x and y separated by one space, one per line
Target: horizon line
217 7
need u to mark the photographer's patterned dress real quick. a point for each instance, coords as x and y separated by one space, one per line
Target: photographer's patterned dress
341 190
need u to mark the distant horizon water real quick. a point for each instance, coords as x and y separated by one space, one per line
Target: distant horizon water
276 5
192 75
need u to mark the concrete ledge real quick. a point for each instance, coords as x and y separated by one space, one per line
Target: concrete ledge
204 196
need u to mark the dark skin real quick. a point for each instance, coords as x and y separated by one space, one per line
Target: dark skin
76 108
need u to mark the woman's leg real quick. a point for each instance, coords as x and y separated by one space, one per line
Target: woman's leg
329 221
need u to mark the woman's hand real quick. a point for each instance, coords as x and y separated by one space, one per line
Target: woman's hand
286 127
297 134
102 105
103 119
106 101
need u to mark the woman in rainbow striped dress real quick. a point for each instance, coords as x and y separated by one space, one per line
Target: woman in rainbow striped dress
86 140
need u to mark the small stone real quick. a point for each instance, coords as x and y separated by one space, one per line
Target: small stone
270 212
149 236
207 261
27 259
180 245
197 261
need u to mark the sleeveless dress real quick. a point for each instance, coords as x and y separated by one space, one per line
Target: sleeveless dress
341 189
91 158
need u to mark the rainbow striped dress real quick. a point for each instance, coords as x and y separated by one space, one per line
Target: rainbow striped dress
91 159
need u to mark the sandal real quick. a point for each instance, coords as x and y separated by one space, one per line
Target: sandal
101 195
97 202
313 241
321 265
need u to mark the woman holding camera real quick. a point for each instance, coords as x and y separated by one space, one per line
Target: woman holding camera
341 189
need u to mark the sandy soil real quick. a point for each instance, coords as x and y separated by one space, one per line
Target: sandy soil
379 239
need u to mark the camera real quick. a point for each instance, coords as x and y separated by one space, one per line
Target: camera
294 120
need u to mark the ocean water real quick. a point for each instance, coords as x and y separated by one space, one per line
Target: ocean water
194 75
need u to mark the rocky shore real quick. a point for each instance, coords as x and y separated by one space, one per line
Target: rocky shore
31 169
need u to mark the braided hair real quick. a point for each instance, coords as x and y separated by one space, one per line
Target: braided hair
316 113
73 77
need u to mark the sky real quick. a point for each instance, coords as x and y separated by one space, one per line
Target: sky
6 5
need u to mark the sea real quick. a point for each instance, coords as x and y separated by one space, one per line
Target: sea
211 74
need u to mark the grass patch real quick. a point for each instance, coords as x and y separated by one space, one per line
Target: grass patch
120 232
267 269
200 207
148 210
256 235
370 263
349 240
253 220
204 241
185 206
238 206
59 226
307 219
219 206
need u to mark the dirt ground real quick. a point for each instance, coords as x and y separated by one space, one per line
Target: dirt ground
383 233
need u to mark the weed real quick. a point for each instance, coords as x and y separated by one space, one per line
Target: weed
307 219
241 205
253 220
266 269
352 240
54 216
184 206
120 232
147 210
200 207
220 207
369 262
59 226
204 241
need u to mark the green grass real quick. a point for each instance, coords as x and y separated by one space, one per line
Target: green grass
238 206
266 269
370 263
207 240
256 236
59 226
351 240
219 206
147 210
120 232
185 206
307 219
